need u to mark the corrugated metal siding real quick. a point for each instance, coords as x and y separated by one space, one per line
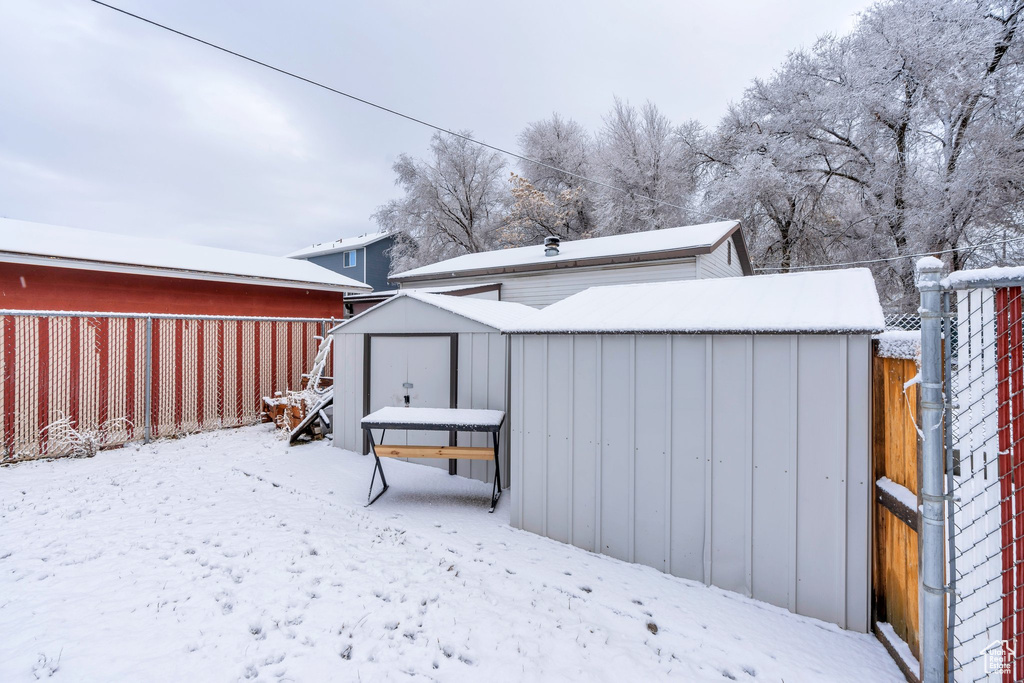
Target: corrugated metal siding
348 391
545 288
738 461
481 378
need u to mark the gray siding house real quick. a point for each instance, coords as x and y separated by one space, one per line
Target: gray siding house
539 276
364 258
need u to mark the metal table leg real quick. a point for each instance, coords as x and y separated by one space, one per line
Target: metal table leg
496 491
377 467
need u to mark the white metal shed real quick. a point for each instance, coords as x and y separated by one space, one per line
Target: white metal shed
448 349
717 430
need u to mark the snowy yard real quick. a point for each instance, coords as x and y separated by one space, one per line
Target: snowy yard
229 556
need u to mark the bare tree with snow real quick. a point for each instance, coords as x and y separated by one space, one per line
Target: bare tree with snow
453 202
564 144
903 137
641 155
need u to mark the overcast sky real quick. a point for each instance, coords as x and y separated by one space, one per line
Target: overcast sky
110 124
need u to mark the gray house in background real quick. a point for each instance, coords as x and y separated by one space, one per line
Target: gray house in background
540 275
364 258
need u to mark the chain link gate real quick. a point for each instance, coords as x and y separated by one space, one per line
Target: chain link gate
977 451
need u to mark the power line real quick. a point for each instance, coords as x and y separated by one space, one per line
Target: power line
395 112
892 258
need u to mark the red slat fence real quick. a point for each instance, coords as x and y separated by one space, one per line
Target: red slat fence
73 383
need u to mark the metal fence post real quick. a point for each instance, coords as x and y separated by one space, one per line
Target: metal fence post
947 375
148 408
932 574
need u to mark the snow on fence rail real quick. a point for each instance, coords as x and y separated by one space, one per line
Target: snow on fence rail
75 382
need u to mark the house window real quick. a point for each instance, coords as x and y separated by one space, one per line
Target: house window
728 254
350 259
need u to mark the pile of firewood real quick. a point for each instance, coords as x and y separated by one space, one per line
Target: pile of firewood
285 411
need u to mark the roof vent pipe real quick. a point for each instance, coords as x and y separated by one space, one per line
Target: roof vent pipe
551 245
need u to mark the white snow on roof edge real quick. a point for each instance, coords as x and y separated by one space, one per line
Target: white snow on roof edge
61 246
610 246
497 314
829 301
344 244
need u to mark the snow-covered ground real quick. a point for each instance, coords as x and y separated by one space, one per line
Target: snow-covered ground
228 556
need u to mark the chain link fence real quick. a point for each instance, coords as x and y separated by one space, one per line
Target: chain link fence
986 551
73 383
910 322
972 474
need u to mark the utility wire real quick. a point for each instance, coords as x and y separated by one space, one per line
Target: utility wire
399 114
891 258
514 155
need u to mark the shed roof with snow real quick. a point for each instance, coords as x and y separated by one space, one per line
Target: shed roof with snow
654 245
814 302
58 246
440 351
411 310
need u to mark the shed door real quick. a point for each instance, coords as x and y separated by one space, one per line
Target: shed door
424 362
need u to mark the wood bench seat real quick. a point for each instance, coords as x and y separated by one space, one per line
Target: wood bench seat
446 452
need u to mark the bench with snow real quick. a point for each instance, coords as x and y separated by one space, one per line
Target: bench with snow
433 419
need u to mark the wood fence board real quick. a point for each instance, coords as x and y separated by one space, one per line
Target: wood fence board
895 455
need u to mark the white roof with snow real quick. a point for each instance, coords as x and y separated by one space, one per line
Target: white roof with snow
668 241
334 247
52 245
497 314
842 301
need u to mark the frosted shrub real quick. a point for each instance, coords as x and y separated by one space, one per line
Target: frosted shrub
66 439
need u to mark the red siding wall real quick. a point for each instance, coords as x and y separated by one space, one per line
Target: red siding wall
45 288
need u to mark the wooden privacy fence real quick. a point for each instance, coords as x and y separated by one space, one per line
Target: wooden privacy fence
74 382
895 455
